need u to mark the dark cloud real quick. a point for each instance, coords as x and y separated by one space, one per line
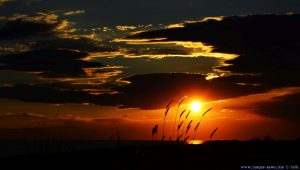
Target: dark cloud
24 26
265 43
145 65
284 107
81 44
10 77
44 93
268 46
49 63
247 30
20 116
152 91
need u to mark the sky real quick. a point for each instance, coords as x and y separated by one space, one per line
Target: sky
83 69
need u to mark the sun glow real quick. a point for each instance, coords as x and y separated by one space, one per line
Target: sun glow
195 142
195 106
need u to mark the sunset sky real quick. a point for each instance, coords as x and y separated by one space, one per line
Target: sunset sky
81 69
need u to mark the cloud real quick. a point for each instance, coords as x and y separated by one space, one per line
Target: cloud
56 93
159 48
80 44
20 116
145 91
154 53
13 47
152 91
267 45
67 13
125 27
24 26
181 25
43 93
49 63
21 119
264 42
146 65
283 107
62 68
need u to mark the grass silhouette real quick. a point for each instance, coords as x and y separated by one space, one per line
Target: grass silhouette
180 124
175 121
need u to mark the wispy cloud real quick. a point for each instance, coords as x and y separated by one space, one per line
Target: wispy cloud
193 49
125 27
181 25
67 13
23 25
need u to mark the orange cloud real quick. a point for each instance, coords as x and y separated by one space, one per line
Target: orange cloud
67 13
125 27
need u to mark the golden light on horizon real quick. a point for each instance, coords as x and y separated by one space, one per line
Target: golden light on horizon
195 106
195 142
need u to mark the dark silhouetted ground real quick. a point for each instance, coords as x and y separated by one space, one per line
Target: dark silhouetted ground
211 155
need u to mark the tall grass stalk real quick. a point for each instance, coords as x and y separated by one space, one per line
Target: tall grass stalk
212 134
198 124
176 115
180 125
166 113
154 132
181 114
188 127
169 104
178 138
113 125
187 130
185 139
186 117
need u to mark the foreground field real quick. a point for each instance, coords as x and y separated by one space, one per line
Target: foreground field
210 155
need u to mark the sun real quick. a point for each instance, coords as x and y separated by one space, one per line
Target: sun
195 106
